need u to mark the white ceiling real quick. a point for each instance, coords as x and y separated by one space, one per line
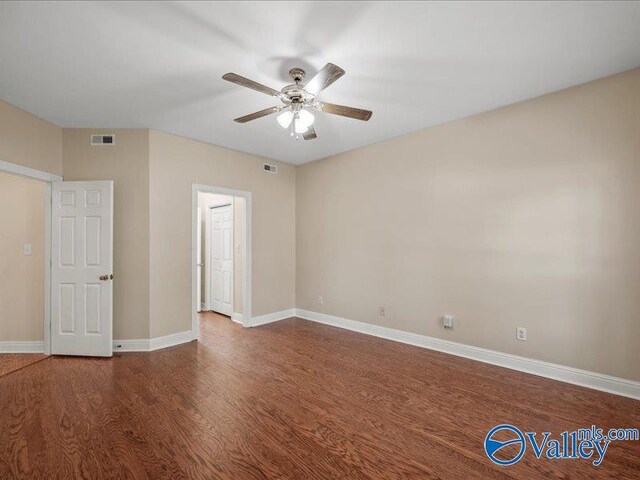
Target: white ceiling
158 65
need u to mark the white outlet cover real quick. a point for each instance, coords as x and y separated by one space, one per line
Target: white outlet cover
447 321
27 249
521 334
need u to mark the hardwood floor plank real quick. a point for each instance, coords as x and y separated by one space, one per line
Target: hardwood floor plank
329 407
293 400
12 362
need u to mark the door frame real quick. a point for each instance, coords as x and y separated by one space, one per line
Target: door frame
47 178
246 249
208 287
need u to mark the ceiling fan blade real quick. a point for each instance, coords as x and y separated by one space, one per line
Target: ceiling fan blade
343 111
310 134
260 114
245 82
325 77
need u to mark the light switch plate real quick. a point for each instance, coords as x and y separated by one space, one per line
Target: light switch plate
27 249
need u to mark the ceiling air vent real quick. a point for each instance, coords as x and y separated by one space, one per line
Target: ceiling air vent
270 168
103 139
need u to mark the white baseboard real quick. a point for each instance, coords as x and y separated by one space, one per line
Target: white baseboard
584 378
272 317
151 344
170 340
22 347
237 317
137 345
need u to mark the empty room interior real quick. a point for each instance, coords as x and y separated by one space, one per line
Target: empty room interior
319 240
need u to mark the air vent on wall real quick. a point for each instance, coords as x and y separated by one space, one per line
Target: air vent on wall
103 139
270 168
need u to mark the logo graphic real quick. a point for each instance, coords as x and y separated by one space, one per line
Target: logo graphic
585 443
493 446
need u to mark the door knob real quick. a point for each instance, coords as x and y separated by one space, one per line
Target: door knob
104 277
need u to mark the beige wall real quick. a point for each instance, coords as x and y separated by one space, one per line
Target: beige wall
239 213
21 276
29 141
524 216
127 163
175 164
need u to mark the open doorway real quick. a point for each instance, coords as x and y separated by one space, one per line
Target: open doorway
23 239
221 255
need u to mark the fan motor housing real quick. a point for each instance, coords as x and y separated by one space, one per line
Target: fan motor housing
296 94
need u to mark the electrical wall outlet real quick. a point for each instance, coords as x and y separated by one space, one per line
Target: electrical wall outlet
521 334
382 311
447 321
320 300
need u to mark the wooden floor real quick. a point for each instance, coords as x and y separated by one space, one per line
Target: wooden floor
292 399
12 362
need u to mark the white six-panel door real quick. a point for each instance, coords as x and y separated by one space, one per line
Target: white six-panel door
81 268
221 263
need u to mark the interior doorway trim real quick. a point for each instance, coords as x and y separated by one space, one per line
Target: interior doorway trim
23 171
246 280
15 169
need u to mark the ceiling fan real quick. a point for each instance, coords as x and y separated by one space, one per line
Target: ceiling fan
298 98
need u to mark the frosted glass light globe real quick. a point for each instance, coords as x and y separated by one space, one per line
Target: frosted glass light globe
284 119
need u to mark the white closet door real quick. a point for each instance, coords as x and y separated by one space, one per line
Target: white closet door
221 224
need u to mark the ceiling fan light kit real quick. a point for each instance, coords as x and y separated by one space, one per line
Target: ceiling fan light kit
297 99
